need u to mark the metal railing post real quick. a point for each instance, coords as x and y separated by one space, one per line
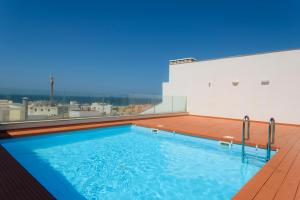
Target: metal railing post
246 122
273 131
247 119
243 140
271 137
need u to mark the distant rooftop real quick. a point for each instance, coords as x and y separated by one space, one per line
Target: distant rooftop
182 61
190 59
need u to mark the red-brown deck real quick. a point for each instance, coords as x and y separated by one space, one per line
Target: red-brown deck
16 182
278 179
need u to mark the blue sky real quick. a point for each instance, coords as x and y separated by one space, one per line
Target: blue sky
119 46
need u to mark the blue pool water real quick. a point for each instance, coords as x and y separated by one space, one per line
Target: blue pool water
131 162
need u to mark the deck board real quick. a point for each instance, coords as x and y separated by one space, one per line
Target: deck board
298 193
279 179
270 188
289 187
16 182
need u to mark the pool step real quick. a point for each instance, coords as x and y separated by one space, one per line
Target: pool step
154 130
225 143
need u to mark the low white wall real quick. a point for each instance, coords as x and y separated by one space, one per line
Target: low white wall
280 99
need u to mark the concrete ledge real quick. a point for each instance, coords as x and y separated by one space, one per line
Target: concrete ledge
61 122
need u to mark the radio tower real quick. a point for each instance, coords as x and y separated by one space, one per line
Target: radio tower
51 90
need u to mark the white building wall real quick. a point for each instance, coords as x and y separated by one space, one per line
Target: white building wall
10 111
280 99
101 107
73 113
42 110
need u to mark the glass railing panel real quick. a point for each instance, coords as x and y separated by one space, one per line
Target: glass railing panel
147 105
179 104
165 106
68 105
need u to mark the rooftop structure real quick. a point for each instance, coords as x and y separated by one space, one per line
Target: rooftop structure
74 105
101 107
182 61
10 111
41 110
260 85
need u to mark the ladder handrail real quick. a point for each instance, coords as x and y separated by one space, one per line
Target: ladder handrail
246 120
271 137
273 130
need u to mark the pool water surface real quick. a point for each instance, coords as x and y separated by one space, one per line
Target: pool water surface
132 162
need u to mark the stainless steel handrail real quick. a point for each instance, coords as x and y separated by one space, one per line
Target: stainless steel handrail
246 123
271 137
273 130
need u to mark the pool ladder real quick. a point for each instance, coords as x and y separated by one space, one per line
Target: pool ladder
271 136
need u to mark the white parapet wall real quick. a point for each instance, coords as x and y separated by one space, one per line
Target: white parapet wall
261 86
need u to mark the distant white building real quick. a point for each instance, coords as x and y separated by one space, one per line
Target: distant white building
74 105
41 109
101 107
85 107
81 113
10 111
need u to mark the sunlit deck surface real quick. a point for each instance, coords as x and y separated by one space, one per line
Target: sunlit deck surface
278 179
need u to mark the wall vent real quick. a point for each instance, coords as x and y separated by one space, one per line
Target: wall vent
235 83
265 82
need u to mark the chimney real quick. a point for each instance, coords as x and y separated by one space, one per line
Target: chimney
25 108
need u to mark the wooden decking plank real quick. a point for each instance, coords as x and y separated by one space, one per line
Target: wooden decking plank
297 197
270 188
288 188
35 131
16 182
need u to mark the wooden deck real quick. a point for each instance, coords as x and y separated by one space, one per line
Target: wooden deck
278 179
16 182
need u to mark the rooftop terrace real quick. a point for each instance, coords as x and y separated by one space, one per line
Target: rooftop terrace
278 179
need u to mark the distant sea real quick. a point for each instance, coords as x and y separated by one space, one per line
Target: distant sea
113 100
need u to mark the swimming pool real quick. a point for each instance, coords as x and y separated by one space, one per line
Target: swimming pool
132 162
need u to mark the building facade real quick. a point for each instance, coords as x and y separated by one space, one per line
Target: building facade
102 108
261 86
41 109
10 111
